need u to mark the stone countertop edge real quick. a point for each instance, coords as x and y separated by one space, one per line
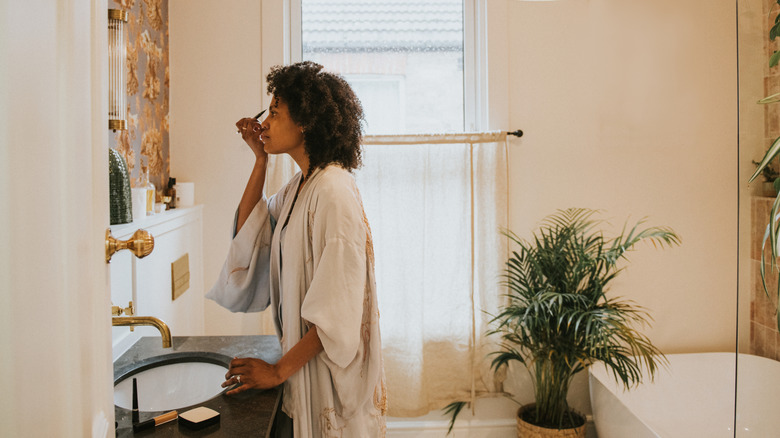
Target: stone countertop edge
250 413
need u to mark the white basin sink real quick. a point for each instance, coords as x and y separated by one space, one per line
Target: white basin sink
170 384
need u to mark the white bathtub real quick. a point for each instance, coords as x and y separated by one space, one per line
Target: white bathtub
694 397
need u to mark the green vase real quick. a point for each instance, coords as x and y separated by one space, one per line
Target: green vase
119 189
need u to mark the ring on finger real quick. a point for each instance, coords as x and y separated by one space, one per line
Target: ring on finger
238 378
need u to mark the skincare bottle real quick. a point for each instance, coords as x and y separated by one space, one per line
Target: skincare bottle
150 192
171 192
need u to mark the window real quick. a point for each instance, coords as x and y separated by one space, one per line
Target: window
405 59
435 202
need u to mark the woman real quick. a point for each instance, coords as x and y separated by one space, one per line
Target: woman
307 252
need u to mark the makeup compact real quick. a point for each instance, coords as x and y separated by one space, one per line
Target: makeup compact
199 418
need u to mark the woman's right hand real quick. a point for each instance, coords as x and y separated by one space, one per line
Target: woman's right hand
250 130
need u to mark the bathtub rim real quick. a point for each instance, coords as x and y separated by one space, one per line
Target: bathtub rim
742 363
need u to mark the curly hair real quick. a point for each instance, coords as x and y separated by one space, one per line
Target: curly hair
327 109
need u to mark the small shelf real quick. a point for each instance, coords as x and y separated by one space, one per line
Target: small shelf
154 221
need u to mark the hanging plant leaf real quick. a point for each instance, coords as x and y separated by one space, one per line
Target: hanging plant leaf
773 32
774 58
770 154
770 235
774 98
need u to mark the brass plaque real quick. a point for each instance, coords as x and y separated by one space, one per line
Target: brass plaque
180 276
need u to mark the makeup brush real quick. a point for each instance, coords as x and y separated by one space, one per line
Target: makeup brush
156 421
135 402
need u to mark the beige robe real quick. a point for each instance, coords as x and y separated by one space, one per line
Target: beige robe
327 280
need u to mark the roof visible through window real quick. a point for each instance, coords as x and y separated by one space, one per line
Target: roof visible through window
403 58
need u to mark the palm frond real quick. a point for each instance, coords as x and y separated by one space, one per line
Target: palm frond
454 409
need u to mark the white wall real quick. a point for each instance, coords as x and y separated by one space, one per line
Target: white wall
215 68
631 107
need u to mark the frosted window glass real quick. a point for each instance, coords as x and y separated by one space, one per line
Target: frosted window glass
404 59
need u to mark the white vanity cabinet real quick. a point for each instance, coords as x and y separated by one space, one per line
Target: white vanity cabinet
148 282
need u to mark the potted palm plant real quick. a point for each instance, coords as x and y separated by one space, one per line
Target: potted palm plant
558 319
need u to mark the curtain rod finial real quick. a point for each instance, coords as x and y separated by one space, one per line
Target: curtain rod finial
518 133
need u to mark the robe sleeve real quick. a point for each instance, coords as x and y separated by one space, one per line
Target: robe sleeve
243 284
335 297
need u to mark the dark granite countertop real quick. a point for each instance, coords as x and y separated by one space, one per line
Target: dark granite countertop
247 414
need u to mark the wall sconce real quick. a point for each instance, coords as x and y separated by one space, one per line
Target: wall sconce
117 57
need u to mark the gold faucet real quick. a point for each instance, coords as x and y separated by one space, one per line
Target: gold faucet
132 321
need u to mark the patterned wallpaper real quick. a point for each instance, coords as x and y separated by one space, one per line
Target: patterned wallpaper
145 142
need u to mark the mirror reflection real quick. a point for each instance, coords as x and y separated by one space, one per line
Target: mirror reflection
637 109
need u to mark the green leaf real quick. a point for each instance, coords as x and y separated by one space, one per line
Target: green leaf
770 154
774 59
773 228
454 409
770 99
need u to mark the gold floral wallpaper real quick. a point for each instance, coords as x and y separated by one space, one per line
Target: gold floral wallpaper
145 142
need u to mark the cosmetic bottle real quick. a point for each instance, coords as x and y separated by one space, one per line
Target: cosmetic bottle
171 192
150 191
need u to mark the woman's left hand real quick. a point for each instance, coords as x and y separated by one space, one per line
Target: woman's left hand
251 374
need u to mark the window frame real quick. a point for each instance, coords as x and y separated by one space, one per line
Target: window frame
473 69
487 103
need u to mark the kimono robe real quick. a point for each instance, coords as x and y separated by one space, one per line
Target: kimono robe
317 270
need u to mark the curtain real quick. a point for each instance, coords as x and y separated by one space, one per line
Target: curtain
436 205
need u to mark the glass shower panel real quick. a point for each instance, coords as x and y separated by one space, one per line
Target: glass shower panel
758 366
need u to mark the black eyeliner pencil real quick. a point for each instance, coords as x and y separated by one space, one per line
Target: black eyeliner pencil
257 117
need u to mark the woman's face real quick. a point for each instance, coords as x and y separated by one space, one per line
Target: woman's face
280 134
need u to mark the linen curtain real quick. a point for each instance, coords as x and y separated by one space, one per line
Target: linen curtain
436 205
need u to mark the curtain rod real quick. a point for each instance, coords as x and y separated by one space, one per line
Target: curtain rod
453 138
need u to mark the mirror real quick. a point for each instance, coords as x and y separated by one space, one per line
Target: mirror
630 107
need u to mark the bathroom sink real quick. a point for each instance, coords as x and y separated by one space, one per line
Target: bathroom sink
171 381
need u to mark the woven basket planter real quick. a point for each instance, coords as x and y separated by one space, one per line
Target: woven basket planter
528 430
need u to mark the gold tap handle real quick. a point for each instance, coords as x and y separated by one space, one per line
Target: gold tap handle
141 243
117 311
